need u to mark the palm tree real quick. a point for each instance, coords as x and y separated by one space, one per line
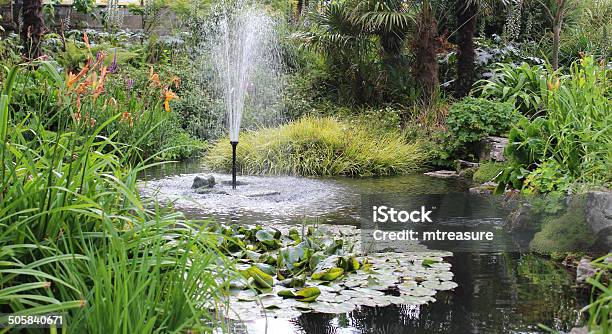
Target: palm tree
349 34
33 27
425 43
466 11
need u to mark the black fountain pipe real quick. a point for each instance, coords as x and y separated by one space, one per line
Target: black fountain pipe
234 144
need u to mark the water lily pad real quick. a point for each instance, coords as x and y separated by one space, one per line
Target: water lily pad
328 275
261 279
308 294
266 268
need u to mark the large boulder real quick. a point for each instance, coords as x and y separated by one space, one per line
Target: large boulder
492 148
203 182
599 215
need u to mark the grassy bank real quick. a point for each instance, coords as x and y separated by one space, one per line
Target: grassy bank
319 146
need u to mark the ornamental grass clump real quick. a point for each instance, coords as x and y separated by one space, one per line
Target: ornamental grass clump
319 146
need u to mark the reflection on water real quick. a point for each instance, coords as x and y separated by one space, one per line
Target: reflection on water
499 292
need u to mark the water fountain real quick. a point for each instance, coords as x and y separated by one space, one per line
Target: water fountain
246 63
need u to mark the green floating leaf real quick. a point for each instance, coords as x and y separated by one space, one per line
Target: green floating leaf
328 275
263 235
286 293
429 262
266 268
308 294
304 295
260 278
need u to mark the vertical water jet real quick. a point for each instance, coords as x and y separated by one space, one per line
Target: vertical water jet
243 48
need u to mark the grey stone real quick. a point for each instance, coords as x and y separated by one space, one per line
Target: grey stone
599 215
263 193
486 188
492 148
445 174
579 330
466 164
203 182
584 270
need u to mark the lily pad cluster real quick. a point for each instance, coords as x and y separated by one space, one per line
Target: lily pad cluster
285 272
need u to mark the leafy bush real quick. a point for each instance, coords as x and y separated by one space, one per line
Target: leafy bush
319 146
487 171
472 119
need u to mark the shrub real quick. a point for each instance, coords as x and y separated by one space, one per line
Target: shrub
488 171
472 119
319 146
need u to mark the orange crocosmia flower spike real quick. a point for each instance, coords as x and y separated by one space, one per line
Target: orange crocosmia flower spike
72 79
176 81
86 40
99 86
168 96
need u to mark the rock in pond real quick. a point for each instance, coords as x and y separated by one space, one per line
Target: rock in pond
203 182
486 188
444 174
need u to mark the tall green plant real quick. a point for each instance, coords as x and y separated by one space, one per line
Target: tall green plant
76 237
574 134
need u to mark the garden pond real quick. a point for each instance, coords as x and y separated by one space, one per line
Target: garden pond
499 288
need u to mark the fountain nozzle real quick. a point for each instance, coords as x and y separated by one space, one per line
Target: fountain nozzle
234 144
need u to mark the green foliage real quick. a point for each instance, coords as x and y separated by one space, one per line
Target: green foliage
319 146
72 226
362 44
487 171
571 143
472 119
599 310
84 6
524 85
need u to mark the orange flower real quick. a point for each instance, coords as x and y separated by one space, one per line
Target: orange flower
72 79
112 102
127 117
168 96
154 77
176 81
86 40
99 84
77 117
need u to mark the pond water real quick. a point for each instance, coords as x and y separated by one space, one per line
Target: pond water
501 289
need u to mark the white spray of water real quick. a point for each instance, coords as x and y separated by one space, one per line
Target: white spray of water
244 50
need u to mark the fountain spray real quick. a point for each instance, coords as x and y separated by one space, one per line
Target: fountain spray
244 50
